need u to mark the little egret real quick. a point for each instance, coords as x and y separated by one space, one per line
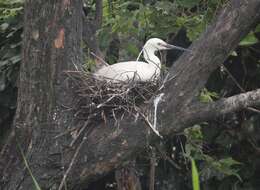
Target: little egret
138 70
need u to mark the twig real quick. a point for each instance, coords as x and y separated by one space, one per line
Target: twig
150 125
240 87
98 99
233 79
65 132
108 100
253 109
162 152
71 163
79 133
99 58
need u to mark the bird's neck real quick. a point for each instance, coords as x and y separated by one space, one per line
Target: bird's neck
151 58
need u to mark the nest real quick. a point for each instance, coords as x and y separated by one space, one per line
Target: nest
98 99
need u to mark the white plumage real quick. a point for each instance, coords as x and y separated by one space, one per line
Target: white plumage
137 70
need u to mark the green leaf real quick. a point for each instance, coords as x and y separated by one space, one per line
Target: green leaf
223 167
257 28
195 25
11 2
250 39
164 6
207 96
195 175
228 162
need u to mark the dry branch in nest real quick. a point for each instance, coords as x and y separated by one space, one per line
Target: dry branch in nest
100 100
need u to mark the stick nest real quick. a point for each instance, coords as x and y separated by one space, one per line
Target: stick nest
99 99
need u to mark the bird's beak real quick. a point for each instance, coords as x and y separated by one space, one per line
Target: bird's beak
169 46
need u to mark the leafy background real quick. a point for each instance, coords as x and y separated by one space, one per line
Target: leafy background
226 150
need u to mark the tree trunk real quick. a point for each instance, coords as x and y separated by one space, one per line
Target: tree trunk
51 45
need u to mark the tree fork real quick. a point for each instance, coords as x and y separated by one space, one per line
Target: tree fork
115 146
52 40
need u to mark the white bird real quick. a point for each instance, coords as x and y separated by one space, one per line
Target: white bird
137 70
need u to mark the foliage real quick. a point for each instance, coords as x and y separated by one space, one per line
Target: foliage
209 166
10 37
207 96
138 20
10 8
10 50
225 149
250 39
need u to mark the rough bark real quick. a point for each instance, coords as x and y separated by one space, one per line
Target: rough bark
127 178
204 112
51 45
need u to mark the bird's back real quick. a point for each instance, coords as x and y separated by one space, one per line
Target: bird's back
130 70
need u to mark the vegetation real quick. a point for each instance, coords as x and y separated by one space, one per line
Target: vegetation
226 150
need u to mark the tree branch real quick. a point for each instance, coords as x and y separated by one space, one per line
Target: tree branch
113 146
40 117
208 52
205 112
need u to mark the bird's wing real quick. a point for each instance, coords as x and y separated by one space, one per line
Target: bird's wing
123 71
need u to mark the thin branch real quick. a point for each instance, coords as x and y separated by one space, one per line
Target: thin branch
233 78
148 123
240 87
79 133
202 112
166 157
99 58
254 110
71 163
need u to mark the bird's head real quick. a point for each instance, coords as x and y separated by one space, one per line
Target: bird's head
156 44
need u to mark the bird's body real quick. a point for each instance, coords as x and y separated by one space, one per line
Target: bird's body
129 70
137 70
